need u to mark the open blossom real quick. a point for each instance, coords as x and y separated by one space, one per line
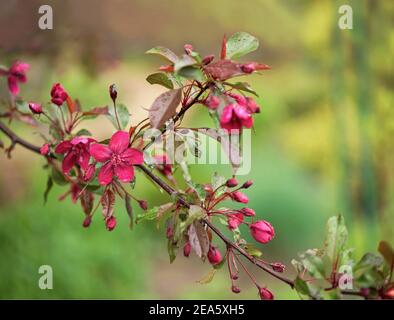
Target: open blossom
262 231
214 256
58 94
15 74
76 151
235 116
117 158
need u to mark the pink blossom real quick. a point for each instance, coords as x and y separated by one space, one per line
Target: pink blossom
235 116
58 94
265 294
247 212
238 196
87 221
231 183
76 151
15 74
117 158
89 172
36 108
214 256
262 231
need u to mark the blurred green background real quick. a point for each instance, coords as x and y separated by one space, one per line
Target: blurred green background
323 143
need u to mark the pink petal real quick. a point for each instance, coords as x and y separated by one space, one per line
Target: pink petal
68 162
133 156
83 159
106 173
124 173
13 85
226 114
100 152
119 142
63 147
241 112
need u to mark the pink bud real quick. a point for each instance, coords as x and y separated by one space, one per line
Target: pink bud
143 204
187 249
188 49
110 223
214 256
89 173
265 294
239 197
169 232
252 105
231 183
247 184
212 102
113 93
235 289
36 108
262 231
58 94
87 221
247 212
208 59
44 150
278 267
234 276
167 68
248 68
234 220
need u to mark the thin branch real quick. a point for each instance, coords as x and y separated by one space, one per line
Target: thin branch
17 140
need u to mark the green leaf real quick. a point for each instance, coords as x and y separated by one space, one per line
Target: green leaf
192 73
368 261
313 263
129 210
153 213
253 250
243 86
164 52
58 177
240 44
195 213
83 132
336 237
123 116
48 188
208 277
161 79
184 61
172 250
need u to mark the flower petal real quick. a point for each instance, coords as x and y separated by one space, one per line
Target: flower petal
100 152
133 156
119 142
68 162
106 173
13 85
63 147
227 114
83 159
125 173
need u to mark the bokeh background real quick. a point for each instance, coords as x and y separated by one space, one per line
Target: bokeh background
323 143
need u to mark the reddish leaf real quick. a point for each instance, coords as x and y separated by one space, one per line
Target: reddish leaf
87 201
70 104
224 69
198 239
224 48
164 107
97 111
107 203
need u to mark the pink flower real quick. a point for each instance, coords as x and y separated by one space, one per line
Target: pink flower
110 223
235 116
234 220
214 256
188 49
247 212
212 102
265 294
231 183
262 231
16 73
89 172
238 196
76 151
186 249
44 150
58 94
117 158
247 184
36 108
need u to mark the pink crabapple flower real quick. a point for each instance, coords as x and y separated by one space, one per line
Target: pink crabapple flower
35 108
238 196
58 94
235 116
15 74
44 150
262 231
117 158
265 294
214 256
76 151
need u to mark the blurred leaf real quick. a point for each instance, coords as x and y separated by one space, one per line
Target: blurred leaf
129 209
58 177
123 116
172 250
87 201
313 263
208 277
387 252
161 79
70 104
198 239
153 213
164 52
22 106
107 203
164 107
368 261
48 188
253 250
184 61
240 44
224 69
243 86
192 73
336 237
1 144
83 132
93 113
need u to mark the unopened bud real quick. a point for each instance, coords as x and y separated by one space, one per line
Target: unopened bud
187 249
36 108
143 204
188 49
235 289
247 184
113 92
87 221
208 59
231 183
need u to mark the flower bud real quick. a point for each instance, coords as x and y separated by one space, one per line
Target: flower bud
186 249
208 59
247 184
234 276
234 220
212 102
278 267
44 150
188 49
262 231
388 294
113 92
239 197
87 221
89 172
248 68
169 232
235 289
58 94
167 68
231 183
265 294
143 204
252 105
208 188
110 223
248 212
36 108
214 256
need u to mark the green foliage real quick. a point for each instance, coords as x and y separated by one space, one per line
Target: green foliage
240 44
